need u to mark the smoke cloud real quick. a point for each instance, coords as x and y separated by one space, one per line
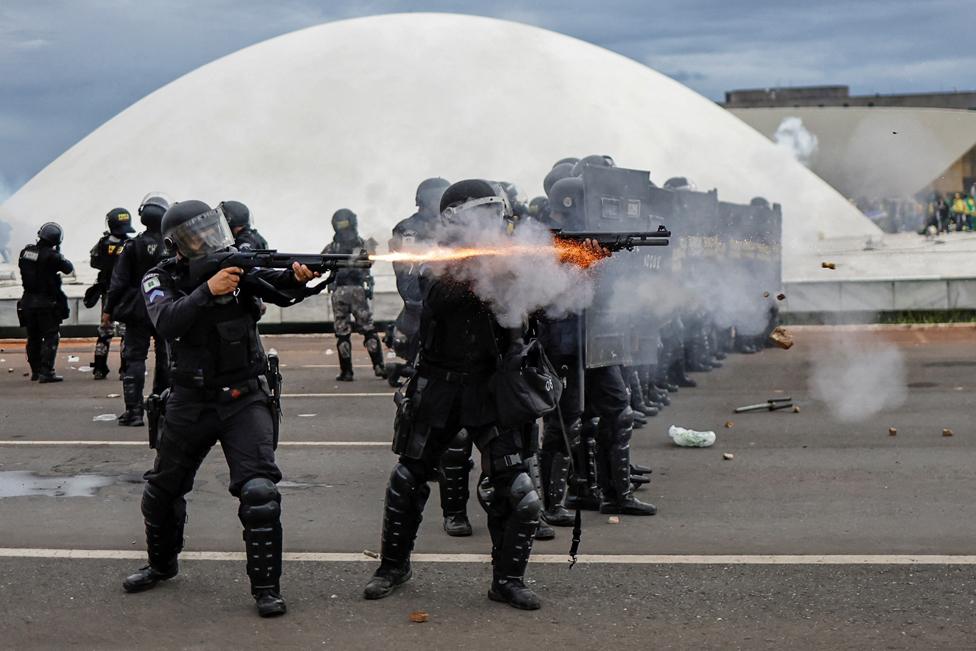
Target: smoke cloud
519 283
792 136
857 377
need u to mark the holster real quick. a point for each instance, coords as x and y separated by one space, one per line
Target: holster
407 399
273 376
155 412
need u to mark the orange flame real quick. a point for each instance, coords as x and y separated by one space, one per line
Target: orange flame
567 252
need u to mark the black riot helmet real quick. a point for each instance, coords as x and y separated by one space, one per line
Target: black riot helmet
429 192
237 214
473 199
152 208
344 220
538 206
678 183
119 222
566 203
195 229
760 202
51 233
559 171
572 160
593 160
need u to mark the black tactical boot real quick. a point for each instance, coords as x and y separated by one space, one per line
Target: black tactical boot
345 359
35 376
375 351
555 474
586 502
457 525
48 377
100 373
132 417
636 468
387 579
627 504
544 531
512 591
100 365
270 603
148 576
618 497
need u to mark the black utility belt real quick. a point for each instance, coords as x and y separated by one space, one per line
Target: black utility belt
229 393
454 377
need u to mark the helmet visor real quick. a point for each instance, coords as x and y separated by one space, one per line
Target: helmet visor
155 199
484 209
203 234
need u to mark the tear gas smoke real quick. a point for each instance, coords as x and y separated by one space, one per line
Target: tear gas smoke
516 274
857 377
797 139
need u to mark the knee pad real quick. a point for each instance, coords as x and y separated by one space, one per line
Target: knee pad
344 345
157 505
459 451
624 420
260 503
371 341
407 491
526 503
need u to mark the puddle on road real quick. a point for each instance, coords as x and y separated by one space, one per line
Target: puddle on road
19 483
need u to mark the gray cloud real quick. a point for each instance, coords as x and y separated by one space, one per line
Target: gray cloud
66 66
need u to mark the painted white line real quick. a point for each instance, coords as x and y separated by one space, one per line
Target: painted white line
337 395
297 444
369 366
618 559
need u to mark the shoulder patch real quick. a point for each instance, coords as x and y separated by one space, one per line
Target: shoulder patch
150 283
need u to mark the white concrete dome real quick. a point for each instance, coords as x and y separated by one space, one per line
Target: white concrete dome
355 113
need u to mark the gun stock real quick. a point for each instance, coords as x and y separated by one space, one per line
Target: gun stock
617 241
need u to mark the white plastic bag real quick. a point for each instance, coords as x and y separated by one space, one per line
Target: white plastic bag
689 438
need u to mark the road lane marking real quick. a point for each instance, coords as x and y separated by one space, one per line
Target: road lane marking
617 559
337 395
297 444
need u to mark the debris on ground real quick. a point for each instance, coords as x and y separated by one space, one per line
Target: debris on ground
728 456
773 404
613 519
796 409
74 358
781 297
104 418
370 553
828 265
781 338
307 415
765 294
329 351
947 432
729 424
892 431
419 616
10 370
113 395
689 438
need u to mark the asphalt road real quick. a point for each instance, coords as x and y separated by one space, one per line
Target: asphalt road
799 484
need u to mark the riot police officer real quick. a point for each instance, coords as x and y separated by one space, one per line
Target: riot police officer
419 229
43 306
459 344
124 303
104 255
239 218
352 289
218 394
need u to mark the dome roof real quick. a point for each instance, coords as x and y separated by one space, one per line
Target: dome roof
356 113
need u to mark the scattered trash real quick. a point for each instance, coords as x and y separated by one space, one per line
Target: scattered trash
329 352
796 409
113 395
781 338
689 438
104 417
85 369
765 294
370 553
2 360
613 519
773 404
419 616
892 431
74 358
828 265
781 297
307 415
273 351
391 355
729 424
728 456
10 370
947 432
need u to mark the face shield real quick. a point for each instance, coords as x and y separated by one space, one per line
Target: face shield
200 235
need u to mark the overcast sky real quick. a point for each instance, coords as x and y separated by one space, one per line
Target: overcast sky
67 66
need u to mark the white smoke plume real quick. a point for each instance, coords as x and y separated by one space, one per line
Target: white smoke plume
797 139
858 377
519 283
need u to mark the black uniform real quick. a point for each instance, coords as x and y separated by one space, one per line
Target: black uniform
103 257
248 238
124 303
450 392
219 393
43 306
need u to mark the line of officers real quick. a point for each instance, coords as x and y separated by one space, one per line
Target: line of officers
218 386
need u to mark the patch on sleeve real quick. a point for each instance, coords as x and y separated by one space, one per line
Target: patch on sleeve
150 283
